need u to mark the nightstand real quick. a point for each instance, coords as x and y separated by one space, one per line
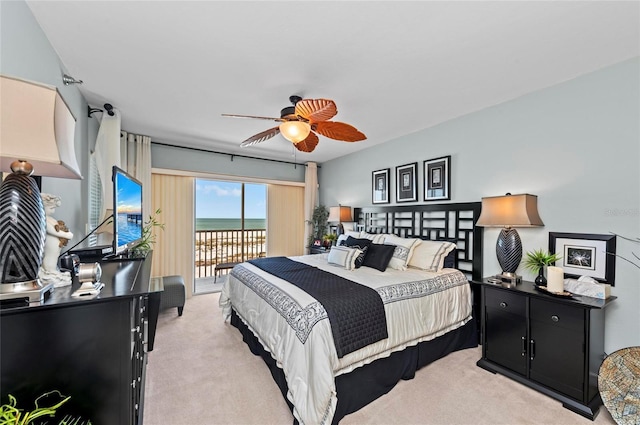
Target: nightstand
552 344
318 250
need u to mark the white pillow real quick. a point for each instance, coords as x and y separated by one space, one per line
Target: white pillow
403 251
344 256
430 255
351 233
342 237
373 237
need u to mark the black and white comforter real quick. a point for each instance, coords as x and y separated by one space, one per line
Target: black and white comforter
294 327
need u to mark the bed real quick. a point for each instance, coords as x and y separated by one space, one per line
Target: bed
336 337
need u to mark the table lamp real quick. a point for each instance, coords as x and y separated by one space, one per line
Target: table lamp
339 215
36 136
508 212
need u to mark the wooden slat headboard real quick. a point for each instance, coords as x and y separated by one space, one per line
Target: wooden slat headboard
454 222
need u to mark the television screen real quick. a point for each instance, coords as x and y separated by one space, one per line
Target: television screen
127 207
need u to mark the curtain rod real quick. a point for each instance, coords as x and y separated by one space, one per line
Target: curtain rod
232 155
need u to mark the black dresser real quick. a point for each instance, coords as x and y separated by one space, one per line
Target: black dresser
94 350
552 344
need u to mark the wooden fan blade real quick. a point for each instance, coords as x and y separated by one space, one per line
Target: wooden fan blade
315 110
253 116
339 131
308 144
260 137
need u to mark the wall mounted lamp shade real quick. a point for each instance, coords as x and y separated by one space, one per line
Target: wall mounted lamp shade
340 214
508 212
295 131
36 135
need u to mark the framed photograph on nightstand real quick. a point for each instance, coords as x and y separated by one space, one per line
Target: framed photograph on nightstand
437 179
406 177
584 254
380 187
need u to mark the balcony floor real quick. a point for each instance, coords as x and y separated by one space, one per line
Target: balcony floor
205 285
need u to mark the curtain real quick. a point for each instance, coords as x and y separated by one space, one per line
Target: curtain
135 153
173 253
285 220
106 155
310 200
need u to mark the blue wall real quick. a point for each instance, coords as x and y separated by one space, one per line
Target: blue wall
576 145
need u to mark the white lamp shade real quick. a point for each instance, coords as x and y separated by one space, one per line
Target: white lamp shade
510 211
339 214
37 127
295 131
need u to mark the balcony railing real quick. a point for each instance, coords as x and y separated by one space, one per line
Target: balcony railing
227 246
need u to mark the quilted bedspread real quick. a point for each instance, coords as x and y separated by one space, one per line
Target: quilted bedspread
294 327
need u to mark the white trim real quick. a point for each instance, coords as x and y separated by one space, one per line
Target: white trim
224 177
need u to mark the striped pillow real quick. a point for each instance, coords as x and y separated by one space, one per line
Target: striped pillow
343 256
403 251
430 255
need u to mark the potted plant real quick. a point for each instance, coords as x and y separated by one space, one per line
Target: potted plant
148 237
319 223
536 260
329 239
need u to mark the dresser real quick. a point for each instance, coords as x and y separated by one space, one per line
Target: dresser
552 344
94 350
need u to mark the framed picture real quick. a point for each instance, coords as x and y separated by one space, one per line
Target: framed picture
406 190
380 187
437 179
585 255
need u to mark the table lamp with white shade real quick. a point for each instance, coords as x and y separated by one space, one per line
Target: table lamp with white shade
509 211
340 214
36 136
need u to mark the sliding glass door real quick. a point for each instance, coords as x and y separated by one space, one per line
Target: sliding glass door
230 226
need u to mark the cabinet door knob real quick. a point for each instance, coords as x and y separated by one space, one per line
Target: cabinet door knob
555 318
503 304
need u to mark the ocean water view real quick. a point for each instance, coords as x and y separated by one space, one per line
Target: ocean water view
128 231
230 223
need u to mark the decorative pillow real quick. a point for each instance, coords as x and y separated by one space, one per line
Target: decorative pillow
451 260
430 255
402 253
374 237
378 256
361 244
351 233
343 256
341 239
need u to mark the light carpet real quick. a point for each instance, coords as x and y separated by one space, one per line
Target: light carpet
201 373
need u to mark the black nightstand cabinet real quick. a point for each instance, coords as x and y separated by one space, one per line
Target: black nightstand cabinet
505 329
551 344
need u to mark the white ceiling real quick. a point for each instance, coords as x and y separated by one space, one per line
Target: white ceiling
393 68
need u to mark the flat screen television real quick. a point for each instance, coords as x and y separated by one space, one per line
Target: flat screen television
127 211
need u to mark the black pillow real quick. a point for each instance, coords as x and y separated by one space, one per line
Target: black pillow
378 256
451 260
361 244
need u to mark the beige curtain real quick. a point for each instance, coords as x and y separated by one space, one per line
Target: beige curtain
135 155
173 253
107 154
310 200
285 220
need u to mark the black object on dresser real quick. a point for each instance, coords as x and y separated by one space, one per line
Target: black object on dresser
318 250
94 350
554 345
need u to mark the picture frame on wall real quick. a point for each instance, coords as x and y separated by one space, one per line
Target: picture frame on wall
380 186
584 254
437 179
406 178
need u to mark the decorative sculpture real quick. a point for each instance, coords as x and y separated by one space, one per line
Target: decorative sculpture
58 235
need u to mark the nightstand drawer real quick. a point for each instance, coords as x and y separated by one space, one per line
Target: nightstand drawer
506 301
557 314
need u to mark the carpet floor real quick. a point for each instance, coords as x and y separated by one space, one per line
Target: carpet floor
201 373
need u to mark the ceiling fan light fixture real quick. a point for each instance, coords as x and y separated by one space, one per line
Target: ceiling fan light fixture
295 131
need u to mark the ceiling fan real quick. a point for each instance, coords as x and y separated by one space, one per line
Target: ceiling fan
300 123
